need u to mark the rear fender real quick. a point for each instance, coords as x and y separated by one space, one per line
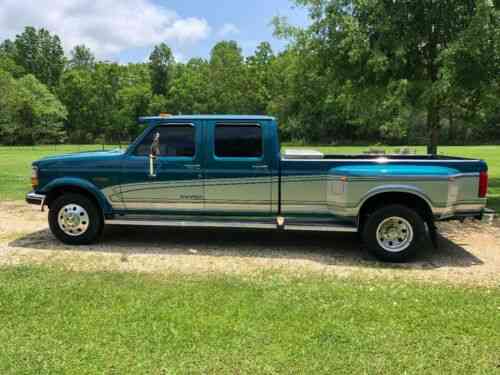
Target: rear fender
395 188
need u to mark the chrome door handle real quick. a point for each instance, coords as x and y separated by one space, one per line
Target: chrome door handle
260 167
193 166
153 166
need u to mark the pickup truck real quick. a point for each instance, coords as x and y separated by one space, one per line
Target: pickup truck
228 171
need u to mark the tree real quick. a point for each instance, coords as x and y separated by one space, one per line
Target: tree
190 89
29 112
133 101
227 78
7 47
76 92
161 63
9 103
158 104
374 46
259 78
81 58
7 64
7 59
104 103
105 85
471 72
40 54
41 112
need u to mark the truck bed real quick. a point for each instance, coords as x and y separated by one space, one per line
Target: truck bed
339 184
370 157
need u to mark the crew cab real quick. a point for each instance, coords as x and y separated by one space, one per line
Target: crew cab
229 171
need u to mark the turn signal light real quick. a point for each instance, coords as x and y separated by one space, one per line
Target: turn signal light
34 177
483 184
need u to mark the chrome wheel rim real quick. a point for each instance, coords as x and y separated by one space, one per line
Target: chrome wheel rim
73 220
394 234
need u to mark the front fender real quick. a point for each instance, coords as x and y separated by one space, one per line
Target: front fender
68 182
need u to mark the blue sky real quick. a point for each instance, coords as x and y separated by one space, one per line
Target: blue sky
127 30
251 19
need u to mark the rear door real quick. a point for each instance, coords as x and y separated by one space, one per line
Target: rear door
237 174
176 184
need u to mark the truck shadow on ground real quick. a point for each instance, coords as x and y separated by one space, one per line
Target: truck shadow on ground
324 248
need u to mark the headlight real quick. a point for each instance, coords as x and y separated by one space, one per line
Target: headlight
34 176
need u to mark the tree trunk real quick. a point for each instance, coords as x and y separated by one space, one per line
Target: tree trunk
451 129
433 129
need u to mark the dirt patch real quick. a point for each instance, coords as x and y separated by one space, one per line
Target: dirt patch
469 253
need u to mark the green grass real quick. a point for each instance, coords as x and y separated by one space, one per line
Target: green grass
15 164
55 321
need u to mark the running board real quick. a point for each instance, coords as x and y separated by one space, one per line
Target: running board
193 224
322 227
294 226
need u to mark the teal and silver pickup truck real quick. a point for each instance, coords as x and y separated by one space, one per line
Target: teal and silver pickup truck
228 171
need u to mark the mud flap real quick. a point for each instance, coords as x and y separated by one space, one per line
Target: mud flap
433 234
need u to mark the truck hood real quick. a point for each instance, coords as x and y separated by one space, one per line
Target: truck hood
87 156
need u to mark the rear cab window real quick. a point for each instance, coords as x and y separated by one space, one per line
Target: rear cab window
238 141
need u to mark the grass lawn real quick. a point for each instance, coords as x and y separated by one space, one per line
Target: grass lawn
15 164
55 321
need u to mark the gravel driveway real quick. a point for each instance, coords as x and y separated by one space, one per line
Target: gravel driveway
469 253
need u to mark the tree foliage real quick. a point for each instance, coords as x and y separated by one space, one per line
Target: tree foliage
227 76
392 71
400 58
39 53
161 63
81 58
30 113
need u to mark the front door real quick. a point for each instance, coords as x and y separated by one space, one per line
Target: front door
238 175
172 181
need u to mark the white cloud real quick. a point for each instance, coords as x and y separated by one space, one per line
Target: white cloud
228 29
179 57
106 26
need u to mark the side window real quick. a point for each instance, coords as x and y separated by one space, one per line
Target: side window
175 140
238 141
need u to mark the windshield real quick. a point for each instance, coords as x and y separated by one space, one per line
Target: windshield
141 129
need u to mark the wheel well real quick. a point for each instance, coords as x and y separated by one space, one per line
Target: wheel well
410 200
61 190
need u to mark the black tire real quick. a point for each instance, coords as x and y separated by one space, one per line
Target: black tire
384 214
95 220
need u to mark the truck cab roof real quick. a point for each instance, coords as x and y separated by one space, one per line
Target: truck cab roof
245 118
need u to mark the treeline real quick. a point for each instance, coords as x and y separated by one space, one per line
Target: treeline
406 72
48 98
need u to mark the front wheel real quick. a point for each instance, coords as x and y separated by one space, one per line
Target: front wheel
393 233
75 220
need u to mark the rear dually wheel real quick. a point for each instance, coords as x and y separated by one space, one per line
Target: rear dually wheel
394 233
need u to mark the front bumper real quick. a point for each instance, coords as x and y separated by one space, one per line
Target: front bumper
36 199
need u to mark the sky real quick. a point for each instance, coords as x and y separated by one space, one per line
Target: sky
126 30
